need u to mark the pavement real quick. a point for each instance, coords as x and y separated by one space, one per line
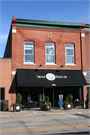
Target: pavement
53 111
38 122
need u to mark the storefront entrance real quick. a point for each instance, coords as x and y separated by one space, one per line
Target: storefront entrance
37 94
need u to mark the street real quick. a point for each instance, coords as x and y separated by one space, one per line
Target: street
48 123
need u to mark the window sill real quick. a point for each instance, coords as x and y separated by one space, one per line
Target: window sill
27 63
70 64
49 64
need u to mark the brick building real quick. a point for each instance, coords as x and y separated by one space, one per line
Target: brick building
45 58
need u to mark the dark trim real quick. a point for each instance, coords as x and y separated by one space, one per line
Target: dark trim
47 22
50 26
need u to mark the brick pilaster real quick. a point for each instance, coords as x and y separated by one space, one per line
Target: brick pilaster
83 59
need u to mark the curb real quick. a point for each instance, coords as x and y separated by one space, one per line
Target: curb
36 114
43 113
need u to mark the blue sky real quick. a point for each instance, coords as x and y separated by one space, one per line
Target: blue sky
64 11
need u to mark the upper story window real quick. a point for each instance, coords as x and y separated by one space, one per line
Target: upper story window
50 53
69 53
29 52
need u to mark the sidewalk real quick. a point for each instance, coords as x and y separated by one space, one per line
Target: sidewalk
38 112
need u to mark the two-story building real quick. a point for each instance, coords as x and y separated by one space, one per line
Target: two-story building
45 58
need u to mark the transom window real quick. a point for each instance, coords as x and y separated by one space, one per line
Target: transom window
29 52
50 53
69 53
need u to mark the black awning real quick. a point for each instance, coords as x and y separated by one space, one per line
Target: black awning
44 77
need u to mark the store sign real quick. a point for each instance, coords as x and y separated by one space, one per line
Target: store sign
53 84
51 77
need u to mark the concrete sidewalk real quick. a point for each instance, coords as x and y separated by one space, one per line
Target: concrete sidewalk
38 112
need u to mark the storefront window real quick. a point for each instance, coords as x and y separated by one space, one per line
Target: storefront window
50 53
29 52
69 53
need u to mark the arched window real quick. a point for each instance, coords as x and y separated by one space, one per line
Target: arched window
69 49
50 53
29 52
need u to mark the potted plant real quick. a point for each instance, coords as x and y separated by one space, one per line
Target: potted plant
87 101
47 105
17 106
68 104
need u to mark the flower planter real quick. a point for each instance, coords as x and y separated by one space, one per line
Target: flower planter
70 106
50 106
47 107
88 105
17 108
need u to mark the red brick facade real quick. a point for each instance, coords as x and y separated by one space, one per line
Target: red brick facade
5 78
40 36
87 45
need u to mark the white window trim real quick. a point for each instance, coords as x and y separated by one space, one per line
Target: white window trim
24 53
72 64
29 63
53 63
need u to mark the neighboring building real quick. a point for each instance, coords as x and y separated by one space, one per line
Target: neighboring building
45 58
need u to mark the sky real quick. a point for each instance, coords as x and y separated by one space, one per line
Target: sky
75 11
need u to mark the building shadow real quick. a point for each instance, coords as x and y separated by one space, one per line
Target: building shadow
71 133
13 86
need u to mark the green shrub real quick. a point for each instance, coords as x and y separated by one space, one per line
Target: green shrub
47 100
67 99
15 103
42 105
18 98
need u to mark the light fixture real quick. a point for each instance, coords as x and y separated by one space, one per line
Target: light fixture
40 65
62 65
17 108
